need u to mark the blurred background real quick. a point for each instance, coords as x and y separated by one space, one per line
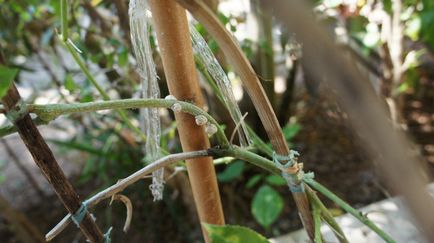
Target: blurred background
391 40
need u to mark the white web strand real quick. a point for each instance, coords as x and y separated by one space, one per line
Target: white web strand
150 119
205 55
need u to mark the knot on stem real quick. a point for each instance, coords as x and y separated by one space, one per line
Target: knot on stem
17 112
291 170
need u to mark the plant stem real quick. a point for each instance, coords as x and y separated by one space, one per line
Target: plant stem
124 183
246 155
46 161
239 153
201 67
316 213
327 216
259 143
357 214
64 19
86 71
11 129
52 111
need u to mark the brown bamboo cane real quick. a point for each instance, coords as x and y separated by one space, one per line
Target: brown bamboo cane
171 26
44 158
237 59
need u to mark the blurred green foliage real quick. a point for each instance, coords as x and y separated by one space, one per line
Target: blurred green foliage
233 234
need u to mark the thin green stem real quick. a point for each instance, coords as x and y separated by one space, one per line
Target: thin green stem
357 214
64 19
51 111
101 91
85 70
259 143
11 129
316 213
69 46
200 65
239 153
326 215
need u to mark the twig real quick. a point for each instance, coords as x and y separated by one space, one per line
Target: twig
52 111
45 160
233 151
327 216
317 222
11 129
237 127
124 183
71 48
357 214
129 207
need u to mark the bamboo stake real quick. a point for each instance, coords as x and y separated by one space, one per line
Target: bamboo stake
170 21
45 160
237 59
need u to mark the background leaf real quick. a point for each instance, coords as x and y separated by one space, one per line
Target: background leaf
253 181
7 76
267 204
233 234
232 171
275 180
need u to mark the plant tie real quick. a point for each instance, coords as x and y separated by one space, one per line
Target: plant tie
292 171
78 216
107 236
17 112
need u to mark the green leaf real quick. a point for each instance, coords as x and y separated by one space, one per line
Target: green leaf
233 234
7 76
253 181
267 204
231 172
265 46
413 27
289 131
123 57
275 180
69 83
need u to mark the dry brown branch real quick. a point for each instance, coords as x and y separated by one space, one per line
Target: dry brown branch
45 160
124 183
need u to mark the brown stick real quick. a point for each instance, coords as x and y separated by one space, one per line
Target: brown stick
243 68
173 37
45 160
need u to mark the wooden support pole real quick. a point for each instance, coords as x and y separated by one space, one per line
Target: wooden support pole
45 160
238 60
171 25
